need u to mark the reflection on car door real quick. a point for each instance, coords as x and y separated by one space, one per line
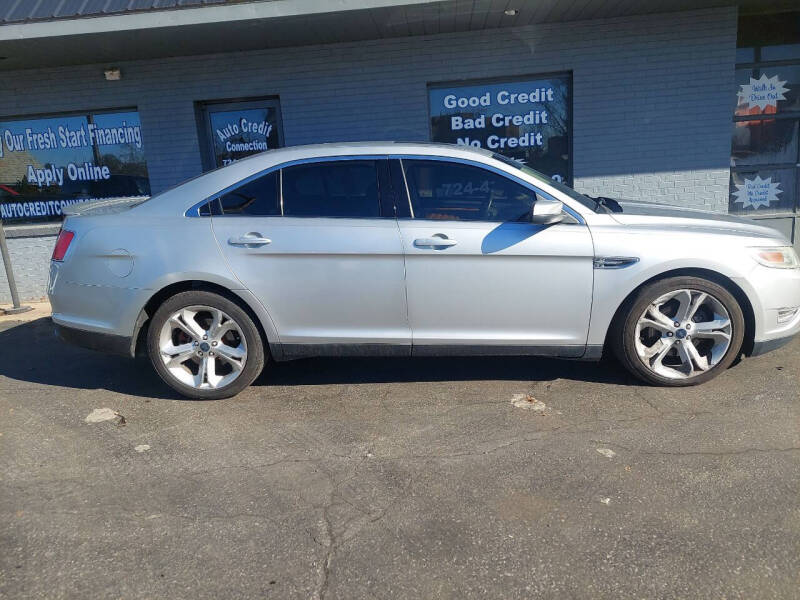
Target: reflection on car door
480 277
325 262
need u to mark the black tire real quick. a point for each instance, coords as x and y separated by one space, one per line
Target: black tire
623 331
253 363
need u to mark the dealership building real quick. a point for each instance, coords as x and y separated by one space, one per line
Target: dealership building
693 104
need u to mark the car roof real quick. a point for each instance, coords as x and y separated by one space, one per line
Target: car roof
376 147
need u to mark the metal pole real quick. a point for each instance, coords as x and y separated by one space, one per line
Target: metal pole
12 284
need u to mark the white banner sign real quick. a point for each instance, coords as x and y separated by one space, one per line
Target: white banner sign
762 92
757 192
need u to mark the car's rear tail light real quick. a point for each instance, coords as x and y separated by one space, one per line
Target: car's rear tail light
65 238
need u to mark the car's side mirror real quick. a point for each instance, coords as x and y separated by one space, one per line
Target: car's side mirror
547 212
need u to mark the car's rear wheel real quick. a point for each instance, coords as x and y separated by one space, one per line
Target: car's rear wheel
679 331
204 346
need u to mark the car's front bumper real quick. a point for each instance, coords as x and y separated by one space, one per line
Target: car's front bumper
760 348
101 342
775 298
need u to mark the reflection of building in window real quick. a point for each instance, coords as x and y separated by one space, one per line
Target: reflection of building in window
59 161
14 170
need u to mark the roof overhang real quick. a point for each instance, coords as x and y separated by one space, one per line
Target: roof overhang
265 24
188 17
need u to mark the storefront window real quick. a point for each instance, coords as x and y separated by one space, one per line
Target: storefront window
235 130
765 152
781 52
764 141
765 190
50 162
527 119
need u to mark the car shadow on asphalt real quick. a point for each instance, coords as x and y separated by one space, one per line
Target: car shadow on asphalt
325 371
29 352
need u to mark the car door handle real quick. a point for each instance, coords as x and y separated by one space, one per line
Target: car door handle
250 239
434 242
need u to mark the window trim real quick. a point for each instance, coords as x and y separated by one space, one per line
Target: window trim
193 211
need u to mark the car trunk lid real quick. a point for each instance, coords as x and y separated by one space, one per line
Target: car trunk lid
105 206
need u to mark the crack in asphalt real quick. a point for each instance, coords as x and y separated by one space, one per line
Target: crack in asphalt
739 452
330 541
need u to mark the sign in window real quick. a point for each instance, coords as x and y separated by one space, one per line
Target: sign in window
48 163
764 144
235 130
527 119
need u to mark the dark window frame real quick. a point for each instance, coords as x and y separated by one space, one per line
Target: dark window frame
204 108
756 67
398 207
89 114
567 75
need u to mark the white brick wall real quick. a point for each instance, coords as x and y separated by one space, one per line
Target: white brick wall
30 257
652 96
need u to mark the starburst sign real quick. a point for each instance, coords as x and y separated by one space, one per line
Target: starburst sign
757 192
762 92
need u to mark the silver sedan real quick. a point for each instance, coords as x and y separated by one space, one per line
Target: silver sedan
401 249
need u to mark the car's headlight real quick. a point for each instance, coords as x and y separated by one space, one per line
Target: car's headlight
779 257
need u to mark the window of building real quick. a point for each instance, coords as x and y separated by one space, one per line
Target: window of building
450 191
331 189
765 154
49 162
528 119
235 130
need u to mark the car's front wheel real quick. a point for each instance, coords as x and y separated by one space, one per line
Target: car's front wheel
204 346
679 331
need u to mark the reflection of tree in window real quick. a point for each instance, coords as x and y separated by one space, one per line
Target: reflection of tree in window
552 157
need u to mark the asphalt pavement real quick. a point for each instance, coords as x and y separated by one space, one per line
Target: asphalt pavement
402 478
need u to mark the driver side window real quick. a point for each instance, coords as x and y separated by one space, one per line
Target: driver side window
452 191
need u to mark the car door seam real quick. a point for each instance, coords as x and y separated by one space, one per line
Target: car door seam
232 272
591 300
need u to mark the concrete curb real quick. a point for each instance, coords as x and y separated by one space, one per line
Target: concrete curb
38 310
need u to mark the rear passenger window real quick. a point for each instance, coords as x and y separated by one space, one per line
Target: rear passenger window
331 189
258 198
452 191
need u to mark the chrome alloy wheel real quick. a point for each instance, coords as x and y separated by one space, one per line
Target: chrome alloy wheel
202 347
683 333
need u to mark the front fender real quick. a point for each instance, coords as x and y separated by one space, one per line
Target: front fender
613 286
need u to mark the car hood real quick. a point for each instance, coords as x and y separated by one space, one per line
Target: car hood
659 216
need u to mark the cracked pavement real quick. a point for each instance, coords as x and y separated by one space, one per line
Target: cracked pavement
375 478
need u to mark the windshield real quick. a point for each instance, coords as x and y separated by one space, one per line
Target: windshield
565 189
